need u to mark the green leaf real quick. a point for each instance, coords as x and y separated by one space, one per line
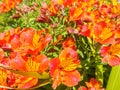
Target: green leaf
114 79
99 73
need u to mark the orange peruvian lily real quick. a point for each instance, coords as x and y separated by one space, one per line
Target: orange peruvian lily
24 82
10 80
111 54
37 63
40 40
69 42
81 11
69 2
75 13
94 84
64 2
103 33
6 39
7 5
63 69
29 41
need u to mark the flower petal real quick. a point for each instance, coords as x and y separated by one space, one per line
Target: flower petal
70 78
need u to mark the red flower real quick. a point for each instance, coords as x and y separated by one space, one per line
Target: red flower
63 69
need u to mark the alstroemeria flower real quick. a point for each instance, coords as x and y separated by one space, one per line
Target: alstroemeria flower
103 33
63 69
111 54
7 5
7 37
29 41
23 82
11 80
37 63
40 40
65 3
75 13
94 84
69 42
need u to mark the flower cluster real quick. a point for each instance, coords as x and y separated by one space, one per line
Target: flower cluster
98 20
25 54
7 5
21 50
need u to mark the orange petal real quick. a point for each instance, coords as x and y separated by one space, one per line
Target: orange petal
27 36
70 78
15 42
44 62
18 63
56 79
26 82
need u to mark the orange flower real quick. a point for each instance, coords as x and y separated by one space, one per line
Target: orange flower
103 33
94 84
7 5
111 54
69 42
24 82
64 2
63 69
37 63
40 40
69 2
28 41
11 80
75 13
